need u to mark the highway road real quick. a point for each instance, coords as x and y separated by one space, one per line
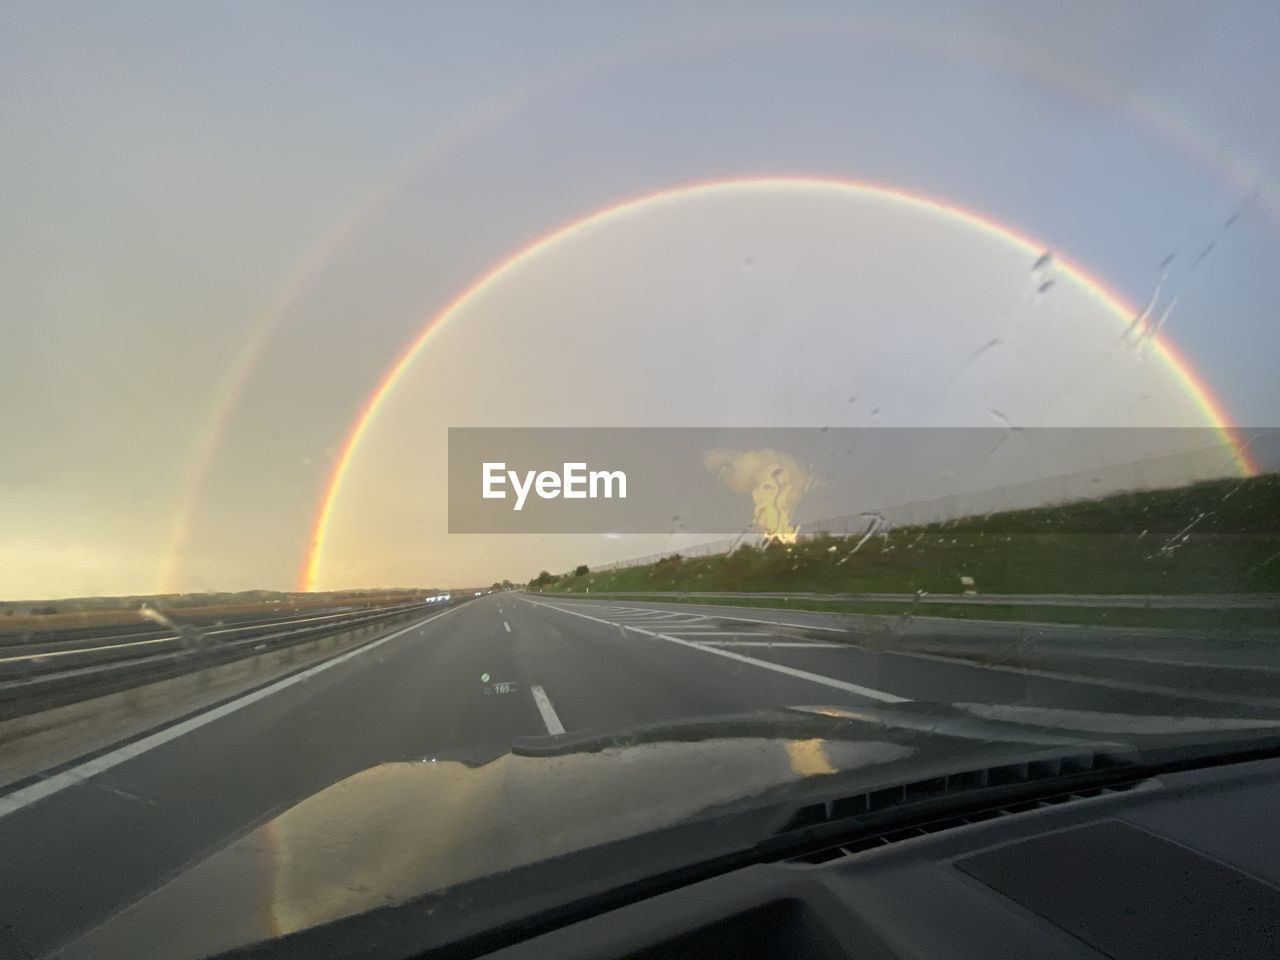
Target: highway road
462 683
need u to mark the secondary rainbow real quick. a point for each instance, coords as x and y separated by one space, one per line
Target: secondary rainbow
1202 148
368 411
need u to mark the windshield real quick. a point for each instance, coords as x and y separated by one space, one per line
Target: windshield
443 438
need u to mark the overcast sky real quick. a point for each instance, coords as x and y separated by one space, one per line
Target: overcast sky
220 224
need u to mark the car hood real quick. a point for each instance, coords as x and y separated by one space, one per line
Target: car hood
396 831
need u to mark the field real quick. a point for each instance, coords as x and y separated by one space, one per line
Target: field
1215 537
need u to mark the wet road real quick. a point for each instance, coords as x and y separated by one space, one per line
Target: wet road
462 683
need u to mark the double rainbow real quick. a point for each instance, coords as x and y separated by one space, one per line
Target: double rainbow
941 40
1124 313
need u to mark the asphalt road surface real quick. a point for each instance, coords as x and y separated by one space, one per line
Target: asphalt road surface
79 845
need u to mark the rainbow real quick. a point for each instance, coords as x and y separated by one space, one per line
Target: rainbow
1162 348
317 260
943 42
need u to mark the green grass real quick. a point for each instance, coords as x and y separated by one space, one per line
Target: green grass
1225 620
1221 536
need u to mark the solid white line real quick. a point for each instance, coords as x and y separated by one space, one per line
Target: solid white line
743 658
554 726
690 630
735 633
507 625
780 623
771 623
671 624
1180 693
769 643
91 768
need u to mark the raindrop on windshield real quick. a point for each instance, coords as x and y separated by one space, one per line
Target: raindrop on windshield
989 345
1004 421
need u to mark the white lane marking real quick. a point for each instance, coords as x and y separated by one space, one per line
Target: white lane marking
28 795
739 633
743 658
1127 685
554 726
769 643
507 626
664 623
721 616
1178 693
782 623
708 631
656 620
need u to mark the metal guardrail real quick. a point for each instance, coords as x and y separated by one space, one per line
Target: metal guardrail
63 640
39 676
139 626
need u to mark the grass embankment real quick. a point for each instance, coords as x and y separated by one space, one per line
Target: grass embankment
1220 536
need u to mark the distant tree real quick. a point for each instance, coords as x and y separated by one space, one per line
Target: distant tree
543 579
507 584
496 585
45 611
581 570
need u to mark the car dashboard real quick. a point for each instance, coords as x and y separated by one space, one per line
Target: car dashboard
1184 864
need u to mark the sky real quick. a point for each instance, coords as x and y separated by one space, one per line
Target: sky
223 224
